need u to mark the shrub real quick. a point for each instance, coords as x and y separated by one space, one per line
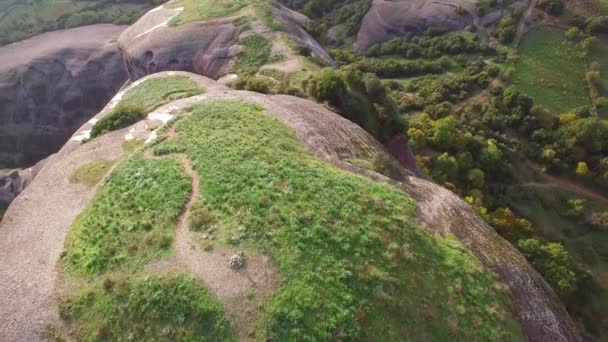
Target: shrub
553 7
258 84
257 50
124 115
505 30
597 24
553 262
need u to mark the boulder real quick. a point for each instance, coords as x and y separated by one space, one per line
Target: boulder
50 85
389 19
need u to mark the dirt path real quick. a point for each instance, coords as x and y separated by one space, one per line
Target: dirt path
560 182
239 291
521 27
564 183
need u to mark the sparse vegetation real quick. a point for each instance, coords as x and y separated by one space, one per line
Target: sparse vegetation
124 115
196 10
145 308
256 53
355 264
144 98
91 173
131 219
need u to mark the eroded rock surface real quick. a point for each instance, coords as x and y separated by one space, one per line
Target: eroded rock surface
50 85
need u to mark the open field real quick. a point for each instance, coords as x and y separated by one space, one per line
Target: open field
550 71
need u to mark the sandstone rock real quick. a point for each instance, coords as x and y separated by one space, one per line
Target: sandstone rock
204 47
50 85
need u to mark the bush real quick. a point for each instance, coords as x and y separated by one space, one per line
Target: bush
258 84
505 30
553 7
597 24
553 262
122 116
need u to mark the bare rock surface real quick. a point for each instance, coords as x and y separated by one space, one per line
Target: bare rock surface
32 233
13 182
50 85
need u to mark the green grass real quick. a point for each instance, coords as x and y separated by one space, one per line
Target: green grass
355 265
131 219
151 308
198 10
550 71
144 98
157 91
256 53
91 173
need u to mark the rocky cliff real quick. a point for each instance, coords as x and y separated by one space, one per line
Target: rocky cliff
50 85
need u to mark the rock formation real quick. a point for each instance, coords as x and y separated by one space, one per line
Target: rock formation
206 47
50 85
25 309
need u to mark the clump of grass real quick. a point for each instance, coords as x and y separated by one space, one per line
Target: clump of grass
157 91
124 115
151 308
169 148
91 173
197 10
355 265
200 219
131 145
144 98
131 219
256 53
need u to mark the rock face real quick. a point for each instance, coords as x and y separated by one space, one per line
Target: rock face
11 185
390 19
41 216
204 47
50 85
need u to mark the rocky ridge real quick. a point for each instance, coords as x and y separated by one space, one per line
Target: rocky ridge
328 136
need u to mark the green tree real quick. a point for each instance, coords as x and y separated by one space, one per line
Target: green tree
443 131
582 169
553 262
476 178
446 168
505 30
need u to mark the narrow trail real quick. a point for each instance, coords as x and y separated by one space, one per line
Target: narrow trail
239 291
565 183
521 27
559 182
